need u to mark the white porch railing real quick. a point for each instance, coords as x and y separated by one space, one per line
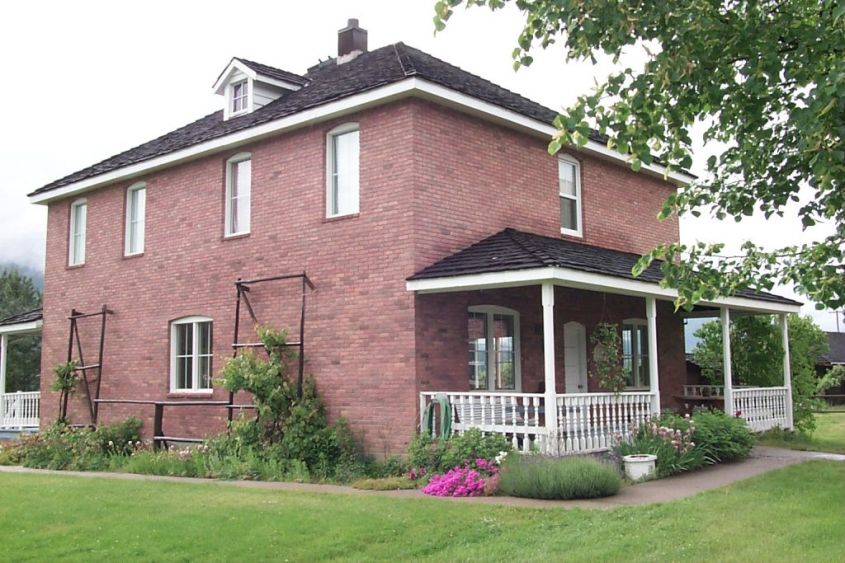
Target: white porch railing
516 415
593 421
763 408
586 421
696 391
19 410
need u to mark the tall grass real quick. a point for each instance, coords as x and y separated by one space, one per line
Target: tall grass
557 478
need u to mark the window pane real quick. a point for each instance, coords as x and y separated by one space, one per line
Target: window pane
135 228
78 220
345 155
204 338
628 354
568 214
642 350
184 376
240 196
204 372
477 330
503 340
184 339
566 176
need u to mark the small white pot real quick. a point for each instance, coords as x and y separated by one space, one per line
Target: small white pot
639 466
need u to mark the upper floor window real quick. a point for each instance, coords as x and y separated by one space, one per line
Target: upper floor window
76 239
238 194
136 207
190 354
239 97
569 179
493 338
342 158
635 353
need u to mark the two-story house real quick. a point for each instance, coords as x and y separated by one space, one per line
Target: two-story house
449 254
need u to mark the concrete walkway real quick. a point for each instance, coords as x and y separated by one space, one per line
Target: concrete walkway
762 459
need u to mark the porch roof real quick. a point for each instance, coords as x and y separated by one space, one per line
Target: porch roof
29 321
511 258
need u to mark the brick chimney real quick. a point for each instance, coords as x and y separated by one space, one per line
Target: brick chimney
351 41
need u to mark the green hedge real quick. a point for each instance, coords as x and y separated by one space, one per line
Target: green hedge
557 478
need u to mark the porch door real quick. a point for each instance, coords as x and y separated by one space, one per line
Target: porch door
575 357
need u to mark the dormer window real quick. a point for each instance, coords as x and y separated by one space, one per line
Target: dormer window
240 97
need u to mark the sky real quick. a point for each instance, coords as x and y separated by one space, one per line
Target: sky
92 79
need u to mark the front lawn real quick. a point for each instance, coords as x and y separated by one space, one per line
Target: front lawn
791 514
829 435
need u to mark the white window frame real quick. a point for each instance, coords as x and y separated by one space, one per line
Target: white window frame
247 98
231 165
490 311
636 357
330 176
579 231
75 231
195 355
142 220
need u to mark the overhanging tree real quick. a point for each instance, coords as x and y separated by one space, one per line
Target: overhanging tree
764 78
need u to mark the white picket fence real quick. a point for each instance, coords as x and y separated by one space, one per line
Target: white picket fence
19 410
586 421
762 408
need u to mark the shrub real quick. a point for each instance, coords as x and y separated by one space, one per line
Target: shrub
721 437
564 478
671 440
435 455
385 484
465 481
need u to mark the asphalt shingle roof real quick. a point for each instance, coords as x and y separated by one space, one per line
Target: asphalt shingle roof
274 72
322 84
28 317
836 355
510 250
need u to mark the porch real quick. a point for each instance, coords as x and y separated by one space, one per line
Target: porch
19 408
567 412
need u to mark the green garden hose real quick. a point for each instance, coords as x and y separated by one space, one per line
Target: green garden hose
445 417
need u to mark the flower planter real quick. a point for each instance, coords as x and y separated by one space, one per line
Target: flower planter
639 466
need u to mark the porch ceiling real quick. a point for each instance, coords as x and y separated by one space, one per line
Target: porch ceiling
513 258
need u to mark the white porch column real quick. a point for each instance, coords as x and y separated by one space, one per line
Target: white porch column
4 347
653 378
548 300
726 361
787 369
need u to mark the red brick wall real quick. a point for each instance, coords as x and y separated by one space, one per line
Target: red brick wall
432 181
359 321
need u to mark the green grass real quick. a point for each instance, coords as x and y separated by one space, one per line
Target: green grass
829 435
791 514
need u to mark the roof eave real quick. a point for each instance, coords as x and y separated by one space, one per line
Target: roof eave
583 280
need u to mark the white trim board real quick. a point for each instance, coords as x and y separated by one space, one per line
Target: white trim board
582 280
22 328
412 86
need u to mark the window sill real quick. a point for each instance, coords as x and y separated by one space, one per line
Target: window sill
236 236
204 394
335 218
74 266
135 255
571 233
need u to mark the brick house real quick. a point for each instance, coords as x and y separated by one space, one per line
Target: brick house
451 257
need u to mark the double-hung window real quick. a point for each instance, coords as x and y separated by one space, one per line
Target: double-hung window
239 97
238 194
136 206
76 238
635 353
569 181
493 338
190 364
342 162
